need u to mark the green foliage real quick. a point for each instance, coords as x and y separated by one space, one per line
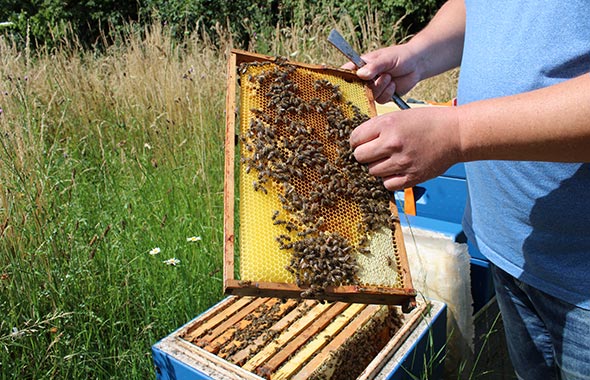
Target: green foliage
241 17
252 20
49 21
412 15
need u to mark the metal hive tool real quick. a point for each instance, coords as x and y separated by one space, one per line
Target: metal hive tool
312 222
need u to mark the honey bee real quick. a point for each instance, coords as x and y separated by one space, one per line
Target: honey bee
261 78
291 227
389 261
277 222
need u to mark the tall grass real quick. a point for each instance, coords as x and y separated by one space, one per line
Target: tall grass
105 156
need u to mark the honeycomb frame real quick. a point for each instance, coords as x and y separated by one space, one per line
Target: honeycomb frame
401 292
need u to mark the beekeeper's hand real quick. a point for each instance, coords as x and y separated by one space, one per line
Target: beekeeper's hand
408 147
394 69
434 50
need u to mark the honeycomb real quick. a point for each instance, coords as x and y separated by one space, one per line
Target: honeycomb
308 212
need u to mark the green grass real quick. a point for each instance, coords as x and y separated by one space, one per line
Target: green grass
103 157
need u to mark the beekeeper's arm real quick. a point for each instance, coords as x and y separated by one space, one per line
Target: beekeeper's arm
409 147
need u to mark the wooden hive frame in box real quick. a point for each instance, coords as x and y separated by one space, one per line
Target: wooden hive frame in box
312 222
269 338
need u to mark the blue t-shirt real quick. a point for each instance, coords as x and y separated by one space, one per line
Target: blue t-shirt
532 219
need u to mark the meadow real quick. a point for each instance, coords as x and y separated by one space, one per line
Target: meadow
111 181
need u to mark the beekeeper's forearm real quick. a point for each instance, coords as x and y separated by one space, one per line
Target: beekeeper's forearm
440 44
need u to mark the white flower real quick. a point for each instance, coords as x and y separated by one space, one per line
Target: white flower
172 261
193 239
16 333
155 251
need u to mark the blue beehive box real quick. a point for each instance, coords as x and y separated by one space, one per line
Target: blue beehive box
214 345
439 204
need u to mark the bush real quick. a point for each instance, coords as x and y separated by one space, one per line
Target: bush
238 16
413 15
248 20
47 22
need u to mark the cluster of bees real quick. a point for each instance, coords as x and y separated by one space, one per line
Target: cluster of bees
297 144
257 332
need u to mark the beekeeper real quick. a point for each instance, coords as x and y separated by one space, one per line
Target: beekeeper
522 127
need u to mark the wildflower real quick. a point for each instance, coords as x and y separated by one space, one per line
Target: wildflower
1 111
155 251
193 239
147 146
16 333
172 261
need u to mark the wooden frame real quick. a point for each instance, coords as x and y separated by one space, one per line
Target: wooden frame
404 296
